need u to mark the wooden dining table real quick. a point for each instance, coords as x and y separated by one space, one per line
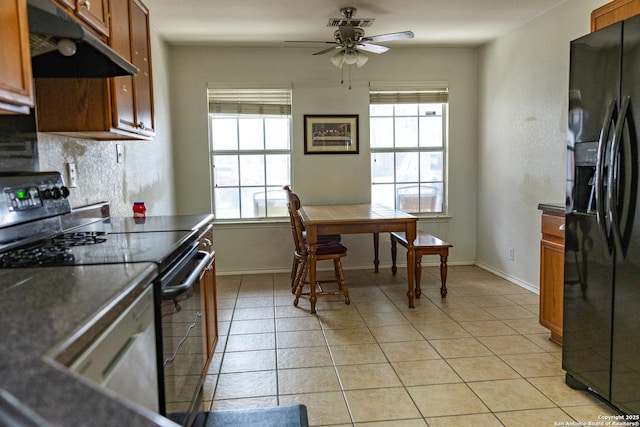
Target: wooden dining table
354 219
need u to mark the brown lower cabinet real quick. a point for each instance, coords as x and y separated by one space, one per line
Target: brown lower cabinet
552 273
209 301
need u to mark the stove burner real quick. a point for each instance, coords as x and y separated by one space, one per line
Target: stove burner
34 256
79 239
56 251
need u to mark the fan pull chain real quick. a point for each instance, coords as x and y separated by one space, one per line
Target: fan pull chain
349 77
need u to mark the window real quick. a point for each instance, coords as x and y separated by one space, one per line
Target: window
408 133
250 139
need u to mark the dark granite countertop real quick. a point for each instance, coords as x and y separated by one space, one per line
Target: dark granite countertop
50 314
43 308
552 207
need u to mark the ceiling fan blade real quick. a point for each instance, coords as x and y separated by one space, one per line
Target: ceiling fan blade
307 41
373 48
329 49
388 37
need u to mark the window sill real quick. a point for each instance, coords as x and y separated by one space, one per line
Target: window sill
231 223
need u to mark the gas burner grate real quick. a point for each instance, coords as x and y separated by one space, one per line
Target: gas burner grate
67 240
56 251
36 256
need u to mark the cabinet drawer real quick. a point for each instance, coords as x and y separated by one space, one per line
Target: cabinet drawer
553 225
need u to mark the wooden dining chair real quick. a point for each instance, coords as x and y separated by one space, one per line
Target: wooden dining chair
292 197
330 250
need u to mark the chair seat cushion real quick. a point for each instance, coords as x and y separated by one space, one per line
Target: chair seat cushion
329 248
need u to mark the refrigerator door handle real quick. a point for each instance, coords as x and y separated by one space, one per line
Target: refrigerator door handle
613 175
610 121
622 163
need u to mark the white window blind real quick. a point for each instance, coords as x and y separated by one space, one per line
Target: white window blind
247 100
408 92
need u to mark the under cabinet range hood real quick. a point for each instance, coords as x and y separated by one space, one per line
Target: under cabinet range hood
61 47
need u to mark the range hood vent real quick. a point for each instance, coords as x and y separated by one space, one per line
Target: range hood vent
48 25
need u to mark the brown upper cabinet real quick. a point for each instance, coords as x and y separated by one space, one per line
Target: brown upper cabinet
95 13
612 12
118 108
16 92
133 103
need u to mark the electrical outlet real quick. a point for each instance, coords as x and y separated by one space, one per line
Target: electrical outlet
119 153
512 253
73 175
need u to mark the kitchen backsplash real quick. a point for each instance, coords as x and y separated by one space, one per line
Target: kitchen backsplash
144 175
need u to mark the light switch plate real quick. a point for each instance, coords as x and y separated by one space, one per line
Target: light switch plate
119 153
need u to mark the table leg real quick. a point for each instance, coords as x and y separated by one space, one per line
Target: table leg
411 261
312 277
443 275
394 256
376 252
418 275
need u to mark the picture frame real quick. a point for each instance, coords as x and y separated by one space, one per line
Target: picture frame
331 134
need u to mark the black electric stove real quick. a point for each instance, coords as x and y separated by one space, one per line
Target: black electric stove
34 231
38 228
98 247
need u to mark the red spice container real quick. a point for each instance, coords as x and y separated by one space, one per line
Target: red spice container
139 210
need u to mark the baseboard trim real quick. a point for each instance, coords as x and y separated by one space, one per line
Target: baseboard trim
357 267
508 277
382 267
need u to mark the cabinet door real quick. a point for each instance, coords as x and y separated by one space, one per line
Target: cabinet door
120 41
16 93
551 288
95 13
133 95
208 285
141 50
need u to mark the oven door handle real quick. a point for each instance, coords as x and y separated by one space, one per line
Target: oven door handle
170 292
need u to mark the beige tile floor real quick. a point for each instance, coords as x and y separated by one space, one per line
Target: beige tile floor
476 358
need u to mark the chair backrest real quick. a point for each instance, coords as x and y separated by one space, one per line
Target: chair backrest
298 236
292 197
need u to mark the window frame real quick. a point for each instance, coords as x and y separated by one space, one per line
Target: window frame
418 93
247 111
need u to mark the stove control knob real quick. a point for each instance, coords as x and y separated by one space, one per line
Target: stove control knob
55 192
47 194
65 192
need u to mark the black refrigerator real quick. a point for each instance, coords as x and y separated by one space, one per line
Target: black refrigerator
601 323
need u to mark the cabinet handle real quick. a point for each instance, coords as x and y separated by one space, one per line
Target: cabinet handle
141 125
206 242
86 4
561 228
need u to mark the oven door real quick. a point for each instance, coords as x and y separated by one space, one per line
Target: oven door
182 355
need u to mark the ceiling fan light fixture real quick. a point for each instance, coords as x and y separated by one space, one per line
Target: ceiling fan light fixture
350 57
361 60
338 59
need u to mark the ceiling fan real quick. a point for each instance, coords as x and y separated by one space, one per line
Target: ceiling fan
350 39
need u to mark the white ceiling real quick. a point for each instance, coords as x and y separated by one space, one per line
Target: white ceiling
268 23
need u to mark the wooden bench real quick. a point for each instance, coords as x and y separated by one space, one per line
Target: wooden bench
424 244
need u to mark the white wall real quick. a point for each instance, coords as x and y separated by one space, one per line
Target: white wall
523 93
322 179
146 174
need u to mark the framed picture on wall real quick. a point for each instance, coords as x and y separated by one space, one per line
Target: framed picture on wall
331 134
